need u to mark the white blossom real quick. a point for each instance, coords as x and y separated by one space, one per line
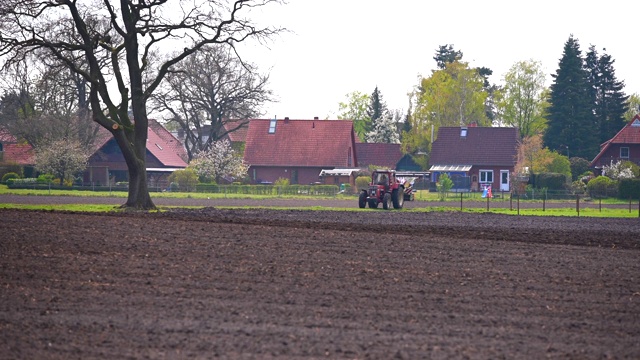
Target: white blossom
384 130
220 161
617 171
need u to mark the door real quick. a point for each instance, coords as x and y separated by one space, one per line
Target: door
504 180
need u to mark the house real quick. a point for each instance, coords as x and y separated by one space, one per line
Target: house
298 150
106 165
15 154
383 155
475 157
625 145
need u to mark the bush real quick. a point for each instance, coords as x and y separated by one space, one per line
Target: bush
9 175
601 187
186 180
578 167
551 181
11 168
629 189
443 185
362 182
45 179
281 182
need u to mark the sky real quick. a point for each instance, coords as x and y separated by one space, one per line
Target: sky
335 47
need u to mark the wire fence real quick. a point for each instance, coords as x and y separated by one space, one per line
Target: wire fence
541 200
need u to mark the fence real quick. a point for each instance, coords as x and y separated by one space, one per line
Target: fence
542 200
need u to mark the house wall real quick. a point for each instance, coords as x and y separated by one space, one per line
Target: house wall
305 175
474 179
612 154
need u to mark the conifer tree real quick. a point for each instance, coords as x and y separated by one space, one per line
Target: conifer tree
376 109
571 123
610 101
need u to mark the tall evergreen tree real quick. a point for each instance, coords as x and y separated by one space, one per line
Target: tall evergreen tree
376 109
446 55
572 125
610 101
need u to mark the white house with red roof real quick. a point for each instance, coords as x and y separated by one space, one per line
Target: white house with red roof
625 145
298 150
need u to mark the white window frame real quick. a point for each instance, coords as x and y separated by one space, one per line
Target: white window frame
622 156
483 179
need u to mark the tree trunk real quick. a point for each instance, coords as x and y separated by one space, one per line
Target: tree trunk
138 197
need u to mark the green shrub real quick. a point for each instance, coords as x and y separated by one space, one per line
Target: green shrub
443 185
601 187
45 179
186 179
551 181
281 182
629 189
11 168
362 182
9 175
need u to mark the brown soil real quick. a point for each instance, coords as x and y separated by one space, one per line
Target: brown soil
314 284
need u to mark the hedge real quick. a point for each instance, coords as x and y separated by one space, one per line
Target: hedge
629 189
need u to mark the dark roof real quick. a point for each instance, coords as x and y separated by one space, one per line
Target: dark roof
382 154
490 146
312 143
160 143
630 134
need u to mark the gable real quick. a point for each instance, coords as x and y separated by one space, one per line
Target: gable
302 143
161 144
628 135
490 146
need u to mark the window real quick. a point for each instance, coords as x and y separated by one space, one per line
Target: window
272 126
463 132
624 152
0 146
486 176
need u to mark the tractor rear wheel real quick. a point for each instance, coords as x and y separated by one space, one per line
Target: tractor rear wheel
362 200
386 201
398 198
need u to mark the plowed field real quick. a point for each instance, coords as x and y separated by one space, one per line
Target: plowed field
317 284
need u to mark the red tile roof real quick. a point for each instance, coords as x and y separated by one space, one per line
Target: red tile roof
160 143
630 134
490 146
15 152
381 154
239 134
304 143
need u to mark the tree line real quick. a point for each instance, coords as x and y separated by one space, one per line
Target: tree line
583 107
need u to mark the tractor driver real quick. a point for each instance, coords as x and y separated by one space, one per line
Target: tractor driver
382 179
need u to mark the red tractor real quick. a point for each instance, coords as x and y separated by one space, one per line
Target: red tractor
387 189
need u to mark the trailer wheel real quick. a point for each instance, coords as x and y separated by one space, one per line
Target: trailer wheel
386 201
397 196
362 200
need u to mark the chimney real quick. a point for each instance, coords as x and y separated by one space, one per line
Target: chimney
286 120
315 118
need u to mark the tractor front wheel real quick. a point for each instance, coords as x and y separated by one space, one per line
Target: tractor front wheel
362 200
386 201
398 198
373 203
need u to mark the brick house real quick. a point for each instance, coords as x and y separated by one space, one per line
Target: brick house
625 145
298 150
14 153
106 165
475 157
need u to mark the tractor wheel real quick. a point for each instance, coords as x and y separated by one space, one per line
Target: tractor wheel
362 200
373 203
398 198
386 201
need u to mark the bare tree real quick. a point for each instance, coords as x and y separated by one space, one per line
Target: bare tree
123 34
211 94
44 101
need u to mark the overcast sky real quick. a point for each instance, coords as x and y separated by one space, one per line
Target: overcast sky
339 46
